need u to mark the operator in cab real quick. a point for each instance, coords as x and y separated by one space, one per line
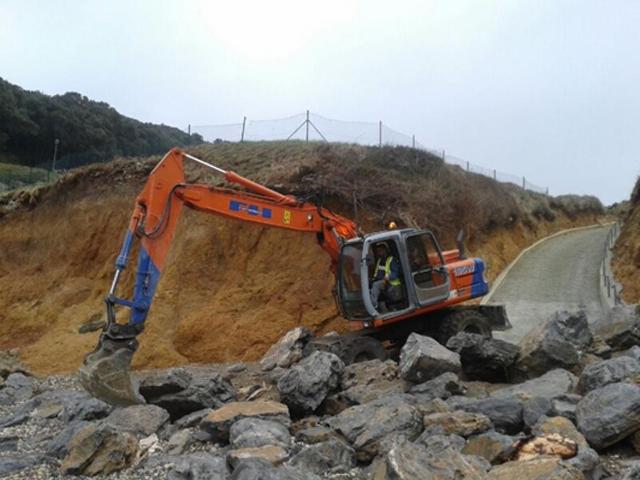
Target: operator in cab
386 284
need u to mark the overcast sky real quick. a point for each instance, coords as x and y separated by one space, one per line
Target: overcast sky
545 89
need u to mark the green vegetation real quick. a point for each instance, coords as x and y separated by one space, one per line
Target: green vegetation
88 131
12 175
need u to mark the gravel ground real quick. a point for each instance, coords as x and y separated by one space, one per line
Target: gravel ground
561 273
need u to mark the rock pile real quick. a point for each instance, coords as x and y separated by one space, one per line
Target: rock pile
434 414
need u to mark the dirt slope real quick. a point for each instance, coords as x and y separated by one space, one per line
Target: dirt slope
230 289
626 260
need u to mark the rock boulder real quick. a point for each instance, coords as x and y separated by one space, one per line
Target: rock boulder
484 358
423 358
558 342
599 374
609 414
306 385
288 350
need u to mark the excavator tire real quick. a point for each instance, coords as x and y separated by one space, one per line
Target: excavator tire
468 320
361 349
350 349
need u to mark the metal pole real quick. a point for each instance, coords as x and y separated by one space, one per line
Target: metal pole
189 129
413 141
524 183
468 166
380 134
307 129
244 123
494 174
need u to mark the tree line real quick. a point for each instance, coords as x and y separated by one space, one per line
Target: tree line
88 131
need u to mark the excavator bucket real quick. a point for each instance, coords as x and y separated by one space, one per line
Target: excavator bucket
105 372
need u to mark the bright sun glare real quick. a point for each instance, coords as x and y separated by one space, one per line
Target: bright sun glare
272 30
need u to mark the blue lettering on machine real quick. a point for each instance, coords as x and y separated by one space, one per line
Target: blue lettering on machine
253 210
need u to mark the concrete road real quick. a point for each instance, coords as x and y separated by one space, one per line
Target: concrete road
560 273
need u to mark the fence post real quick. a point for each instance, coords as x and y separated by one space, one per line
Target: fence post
413 141
524 183
444 155
307 127
189 129
244 123
468 168
495 176
380 134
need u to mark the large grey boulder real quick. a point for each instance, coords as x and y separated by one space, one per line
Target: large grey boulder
329 457
558 342
218 422
140 420
180 392
365 381
442 387
198 466
506 414
306 385
257 432
552 384
288 350
412 461
99 449
609 414
483 358
599 374
423 358
18 388
620 327
68 405
365 426
259 469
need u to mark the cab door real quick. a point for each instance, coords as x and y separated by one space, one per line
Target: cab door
427 269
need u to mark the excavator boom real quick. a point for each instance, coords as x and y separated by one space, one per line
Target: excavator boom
105 372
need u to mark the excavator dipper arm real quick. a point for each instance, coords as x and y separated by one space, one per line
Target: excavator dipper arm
105 371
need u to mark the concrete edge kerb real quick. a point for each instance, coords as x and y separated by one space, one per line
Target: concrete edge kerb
506 271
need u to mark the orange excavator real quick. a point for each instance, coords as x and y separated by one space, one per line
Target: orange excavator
429 282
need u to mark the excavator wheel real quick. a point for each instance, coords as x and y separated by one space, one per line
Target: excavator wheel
105 372
350 349
361 349
467 320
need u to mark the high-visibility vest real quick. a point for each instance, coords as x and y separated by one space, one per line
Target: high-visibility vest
386 268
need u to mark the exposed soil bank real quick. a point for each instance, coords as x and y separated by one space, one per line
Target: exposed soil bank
626 259
231 289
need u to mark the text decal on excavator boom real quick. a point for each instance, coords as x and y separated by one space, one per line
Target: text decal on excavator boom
253 210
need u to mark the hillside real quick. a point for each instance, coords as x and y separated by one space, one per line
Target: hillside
626 259
88 131
231 289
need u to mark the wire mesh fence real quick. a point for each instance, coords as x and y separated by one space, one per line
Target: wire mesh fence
310 126
307 126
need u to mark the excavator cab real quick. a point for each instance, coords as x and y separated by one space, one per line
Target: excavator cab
423 274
